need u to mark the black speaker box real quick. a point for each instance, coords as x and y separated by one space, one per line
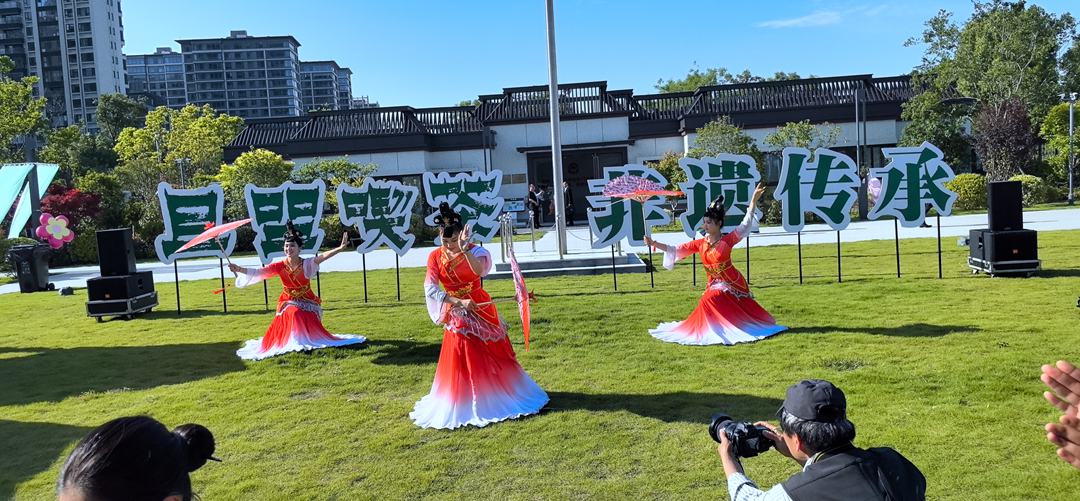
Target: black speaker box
121 287
116 252
1005 202
1004 246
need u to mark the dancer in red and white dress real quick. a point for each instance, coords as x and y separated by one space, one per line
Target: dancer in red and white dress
298 323
727 312
478 380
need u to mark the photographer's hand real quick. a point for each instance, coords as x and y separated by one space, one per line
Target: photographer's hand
727 456
778 441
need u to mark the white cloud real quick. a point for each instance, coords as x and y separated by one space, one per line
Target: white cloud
819 18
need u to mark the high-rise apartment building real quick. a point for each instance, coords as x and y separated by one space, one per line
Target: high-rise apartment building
325 86
158 77
74 47
242 75
344 90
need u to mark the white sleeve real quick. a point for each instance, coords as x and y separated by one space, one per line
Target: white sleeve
745 226
434 296
249 276
484 257
311 268
675 253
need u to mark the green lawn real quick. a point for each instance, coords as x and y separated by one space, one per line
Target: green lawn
946 371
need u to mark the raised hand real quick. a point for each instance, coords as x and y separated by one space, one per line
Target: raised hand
1064 379
758 192
464 236
344 240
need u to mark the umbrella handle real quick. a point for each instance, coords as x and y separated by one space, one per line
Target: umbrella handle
227 260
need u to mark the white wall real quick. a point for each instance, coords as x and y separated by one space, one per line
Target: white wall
654 148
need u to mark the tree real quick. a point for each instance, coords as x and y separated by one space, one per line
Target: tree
20 112
469 102
668 166
803 135
334 171
722 136
1005 50
1005 141
1070 68
116 112
260 167
1055 131
106 186
192 138
696 78
77 152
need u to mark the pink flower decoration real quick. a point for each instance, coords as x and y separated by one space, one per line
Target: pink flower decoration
54 230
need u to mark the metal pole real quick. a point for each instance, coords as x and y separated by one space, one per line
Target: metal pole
939 245
798 237
176 279
35 203
896 233
748 256
588 211
556 144
397 268
318 284
1072 105
266 297
652 281
614 280
224 295
839 275
532 230
693 260
363 262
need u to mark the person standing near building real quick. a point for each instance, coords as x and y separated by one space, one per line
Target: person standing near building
534 205
568 199
543 199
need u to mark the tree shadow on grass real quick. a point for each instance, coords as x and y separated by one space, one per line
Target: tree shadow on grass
1055 273
909 330
29 449
676 407
50 374
403 352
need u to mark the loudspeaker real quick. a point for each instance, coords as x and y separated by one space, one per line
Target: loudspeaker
121 287
1004 246
116 252
1005 202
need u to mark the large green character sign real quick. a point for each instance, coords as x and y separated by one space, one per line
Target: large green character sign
827 185
186 214
270 208
733 176
381 211
613 219
474 195
914 178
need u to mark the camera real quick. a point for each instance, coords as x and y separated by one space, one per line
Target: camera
747 440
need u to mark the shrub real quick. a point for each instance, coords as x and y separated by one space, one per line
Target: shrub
1036 191
331 225
971 191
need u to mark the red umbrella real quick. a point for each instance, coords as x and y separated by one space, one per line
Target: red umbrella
214 232
522 295
636 188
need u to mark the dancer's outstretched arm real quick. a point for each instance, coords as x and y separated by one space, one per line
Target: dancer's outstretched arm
333 252
748 220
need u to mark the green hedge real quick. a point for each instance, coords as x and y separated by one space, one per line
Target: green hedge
971 191
1036 191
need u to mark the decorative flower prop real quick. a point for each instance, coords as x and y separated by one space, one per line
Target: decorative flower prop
54 230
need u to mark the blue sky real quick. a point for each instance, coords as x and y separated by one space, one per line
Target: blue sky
436 53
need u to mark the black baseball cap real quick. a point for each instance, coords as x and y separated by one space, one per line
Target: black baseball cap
815 400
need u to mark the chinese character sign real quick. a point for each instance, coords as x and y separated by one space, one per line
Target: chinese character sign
827 186
381 211
914 178
613 219
734 176
474 195
270 208
186 214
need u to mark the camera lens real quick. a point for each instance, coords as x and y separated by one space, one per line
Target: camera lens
719 421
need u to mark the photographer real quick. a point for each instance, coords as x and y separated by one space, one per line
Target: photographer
816 433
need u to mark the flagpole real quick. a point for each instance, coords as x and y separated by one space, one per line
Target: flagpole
556 144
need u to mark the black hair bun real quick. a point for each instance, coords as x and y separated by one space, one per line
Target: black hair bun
716 209
447 216
197 443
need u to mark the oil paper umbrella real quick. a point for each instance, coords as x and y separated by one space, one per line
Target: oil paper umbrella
521 294
215 233
638 189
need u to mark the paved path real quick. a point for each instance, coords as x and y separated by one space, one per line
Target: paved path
578 245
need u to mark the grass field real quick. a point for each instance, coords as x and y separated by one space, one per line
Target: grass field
946 371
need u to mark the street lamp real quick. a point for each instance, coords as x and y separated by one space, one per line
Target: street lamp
1071 96
180 165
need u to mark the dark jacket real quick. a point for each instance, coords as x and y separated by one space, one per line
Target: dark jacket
852 473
